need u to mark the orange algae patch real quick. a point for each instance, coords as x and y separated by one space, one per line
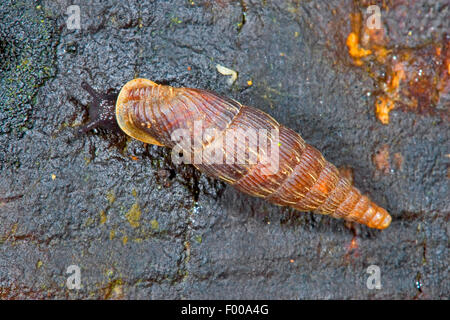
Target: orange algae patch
353 41
386 102
383 106
355 50
414 79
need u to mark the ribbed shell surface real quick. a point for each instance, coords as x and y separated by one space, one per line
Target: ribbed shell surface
304 179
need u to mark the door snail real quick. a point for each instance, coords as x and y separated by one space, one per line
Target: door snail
302 178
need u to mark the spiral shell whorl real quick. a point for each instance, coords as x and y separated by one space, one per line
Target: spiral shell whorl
316 185
305 181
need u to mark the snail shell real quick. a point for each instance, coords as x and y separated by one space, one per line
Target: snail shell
305 181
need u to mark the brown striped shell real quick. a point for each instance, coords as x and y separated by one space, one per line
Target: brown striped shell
305 181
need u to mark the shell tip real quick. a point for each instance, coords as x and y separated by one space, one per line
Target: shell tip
386 222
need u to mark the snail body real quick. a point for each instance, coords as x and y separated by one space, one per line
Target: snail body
303 179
